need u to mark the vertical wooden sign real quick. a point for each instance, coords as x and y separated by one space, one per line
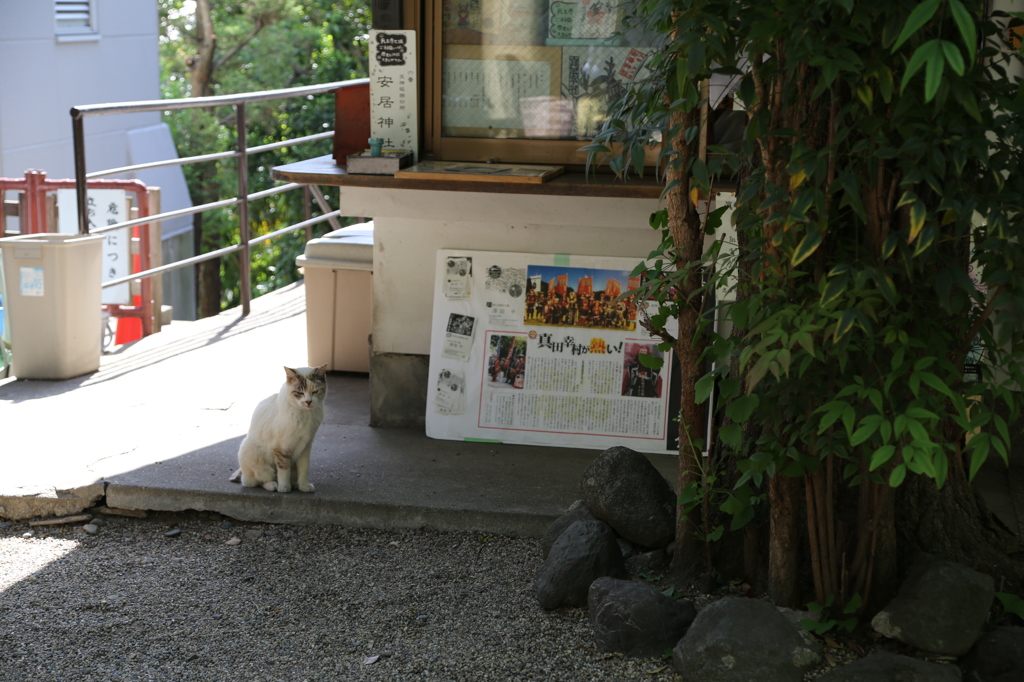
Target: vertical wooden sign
393 90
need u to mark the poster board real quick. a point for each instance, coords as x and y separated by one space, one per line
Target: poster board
533 348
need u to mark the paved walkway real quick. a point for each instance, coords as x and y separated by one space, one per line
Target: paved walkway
158 428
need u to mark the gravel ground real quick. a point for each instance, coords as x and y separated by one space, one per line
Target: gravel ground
284 603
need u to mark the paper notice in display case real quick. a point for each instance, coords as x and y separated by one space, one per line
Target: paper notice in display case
544 352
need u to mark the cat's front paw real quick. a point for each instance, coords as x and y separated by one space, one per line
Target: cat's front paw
284 488
270 485
306 487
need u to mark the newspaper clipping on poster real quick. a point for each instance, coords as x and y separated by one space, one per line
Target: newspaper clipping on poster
541 349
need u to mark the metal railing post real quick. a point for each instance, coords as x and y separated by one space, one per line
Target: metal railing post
244 262
78 132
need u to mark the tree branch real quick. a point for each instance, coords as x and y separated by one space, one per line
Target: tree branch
259 26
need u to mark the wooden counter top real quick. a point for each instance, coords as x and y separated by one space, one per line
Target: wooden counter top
322 170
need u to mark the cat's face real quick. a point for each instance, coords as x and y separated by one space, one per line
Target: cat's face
306 386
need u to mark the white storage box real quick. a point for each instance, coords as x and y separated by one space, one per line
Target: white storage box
338 269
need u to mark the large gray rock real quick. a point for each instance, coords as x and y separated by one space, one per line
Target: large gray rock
883 666
577 512
941 607
738 640
636 619
997 657
623 489
584 552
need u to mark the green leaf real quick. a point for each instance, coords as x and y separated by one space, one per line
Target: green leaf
953 57
918 212
650 361
863 432
700 173
898 474
807 246
702 389
732 435
836 286
917 60
845 323
1011 603
740 409
866 95
806 341
965 24
881 456
941 468
979 453
918 18
933 70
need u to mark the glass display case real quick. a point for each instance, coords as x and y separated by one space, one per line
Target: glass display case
525 80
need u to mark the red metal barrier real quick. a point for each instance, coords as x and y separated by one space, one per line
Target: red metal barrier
35 186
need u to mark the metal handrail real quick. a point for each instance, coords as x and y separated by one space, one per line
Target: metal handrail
238 101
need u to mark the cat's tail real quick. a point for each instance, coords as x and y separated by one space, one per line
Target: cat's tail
236 477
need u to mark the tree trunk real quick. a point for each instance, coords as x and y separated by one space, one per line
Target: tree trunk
206 44
208 279
784 499
949 523
688 240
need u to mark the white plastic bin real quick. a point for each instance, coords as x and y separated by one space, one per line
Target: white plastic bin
53 303
338 271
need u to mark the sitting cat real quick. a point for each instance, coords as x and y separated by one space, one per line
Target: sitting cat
275 453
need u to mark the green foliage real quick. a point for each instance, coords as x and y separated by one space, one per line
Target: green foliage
284 43
832 616
861 208
1011 604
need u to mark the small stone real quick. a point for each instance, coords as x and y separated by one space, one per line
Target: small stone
234 541
28 534
91 528
99 521
173 533
227 524
6 523
254 534
271 531
207 537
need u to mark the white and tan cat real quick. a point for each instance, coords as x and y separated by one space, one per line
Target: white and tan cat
275 453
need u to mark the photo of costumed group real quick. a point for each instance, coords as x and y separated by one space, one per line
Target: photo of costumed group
576 297
579 297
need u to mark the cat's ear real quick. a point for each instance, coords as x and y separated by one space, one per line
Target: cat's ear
291 374
321 372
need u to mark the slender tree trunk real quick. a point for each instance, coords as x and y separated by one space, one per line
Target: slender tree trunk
784 499
207 272
688 238
201 67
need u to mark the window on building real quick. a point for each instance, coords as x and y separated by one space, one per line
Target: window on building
528 80
75 17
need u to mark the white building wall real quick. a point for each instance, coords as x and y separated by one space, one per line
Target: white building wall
43 75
